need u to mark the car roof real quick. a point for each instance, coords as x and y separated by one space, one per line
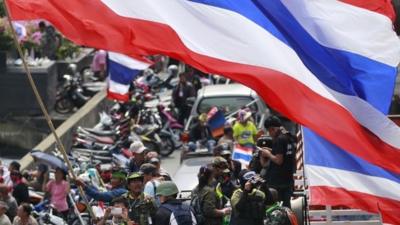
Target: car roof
186 175
226 90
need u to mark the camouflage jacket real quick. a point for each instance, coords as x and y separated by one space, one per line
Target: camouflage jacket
141 210
210 202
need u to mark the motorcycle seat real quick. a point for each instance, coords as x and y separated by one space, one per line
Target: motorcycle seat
140 130
101 132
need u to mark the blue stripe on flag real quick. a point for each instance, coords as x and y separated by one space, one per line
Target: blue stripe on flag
342 71
121 74
241 156
320 152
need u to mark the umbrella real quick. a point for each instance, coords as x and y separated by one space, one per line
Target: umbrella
48 159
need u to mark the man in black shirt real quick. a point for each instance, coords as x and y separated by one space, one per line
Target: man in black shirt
180 94
280 171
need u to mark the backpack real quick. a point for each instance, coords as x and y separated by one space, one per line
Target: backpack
197 205
180 214
281 216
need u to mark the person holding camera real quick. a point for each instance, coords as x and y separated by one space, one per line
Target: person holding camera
248 203
118 213
282 160
259 163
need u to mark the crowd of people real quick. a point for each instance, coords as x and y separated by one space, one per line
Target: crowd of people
227 192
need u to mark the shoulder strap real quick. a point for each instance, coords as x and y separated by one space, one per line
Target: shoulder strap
170 207
154 187
173 208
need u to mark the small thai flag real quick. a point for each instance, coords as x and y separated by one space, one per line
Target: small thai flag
122 70
242 154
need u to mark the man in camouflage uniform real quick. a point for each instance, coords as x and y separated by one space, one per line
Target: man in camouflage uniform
141 209
205 202
224 186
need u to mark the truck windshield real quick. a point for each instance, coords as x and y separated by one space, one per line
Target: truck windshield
228 104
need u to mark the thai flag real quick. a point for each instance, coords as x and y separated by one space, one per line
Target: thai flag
307 59
216 122
242 154
122 70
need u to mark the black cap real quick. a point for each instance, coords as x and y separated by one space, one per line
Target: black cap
148 168
272 121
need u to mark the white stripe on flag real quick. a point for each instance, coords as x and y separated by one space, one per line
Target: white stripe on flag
128 61
324 176
117 87
328 23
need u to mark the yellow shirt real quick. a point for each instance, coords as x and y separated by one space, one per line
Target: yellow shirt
244 133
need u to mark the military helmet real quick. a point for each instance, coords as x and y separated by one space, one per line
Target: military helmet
167 188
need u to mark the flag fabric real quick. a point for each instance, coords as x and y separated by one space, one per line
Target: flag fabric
316 62
122 70
216 122
242 154
337 177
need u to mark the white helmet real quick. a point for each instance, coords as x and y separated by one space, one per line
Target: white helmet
148 72
137 147
172 70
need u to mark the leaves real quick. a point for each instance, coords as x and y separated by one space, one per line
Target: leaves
2 9
67 49
6 40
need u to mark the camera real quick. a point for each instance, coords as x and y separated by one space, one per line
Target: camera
256 180
264 141
116 211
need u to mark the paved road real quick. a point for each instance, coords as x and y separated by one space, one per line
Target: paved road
171 163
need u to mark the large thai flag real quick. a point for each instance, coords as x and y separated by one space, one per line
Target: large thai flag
122 70
306 58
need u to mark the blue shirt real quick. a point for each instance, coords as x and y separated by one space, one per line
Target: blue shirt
106 196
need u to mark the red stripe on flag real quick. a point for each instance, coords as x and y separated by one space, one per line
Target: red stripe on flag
283 93
118 97
389 208
383 7
243 148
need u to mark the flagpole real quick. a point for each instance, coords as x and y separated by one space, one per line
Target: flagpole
43 108
306 212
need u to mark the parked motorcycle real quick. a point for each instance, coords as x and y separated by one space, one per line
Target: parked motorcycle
153 137
170 124
70 96
149 81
